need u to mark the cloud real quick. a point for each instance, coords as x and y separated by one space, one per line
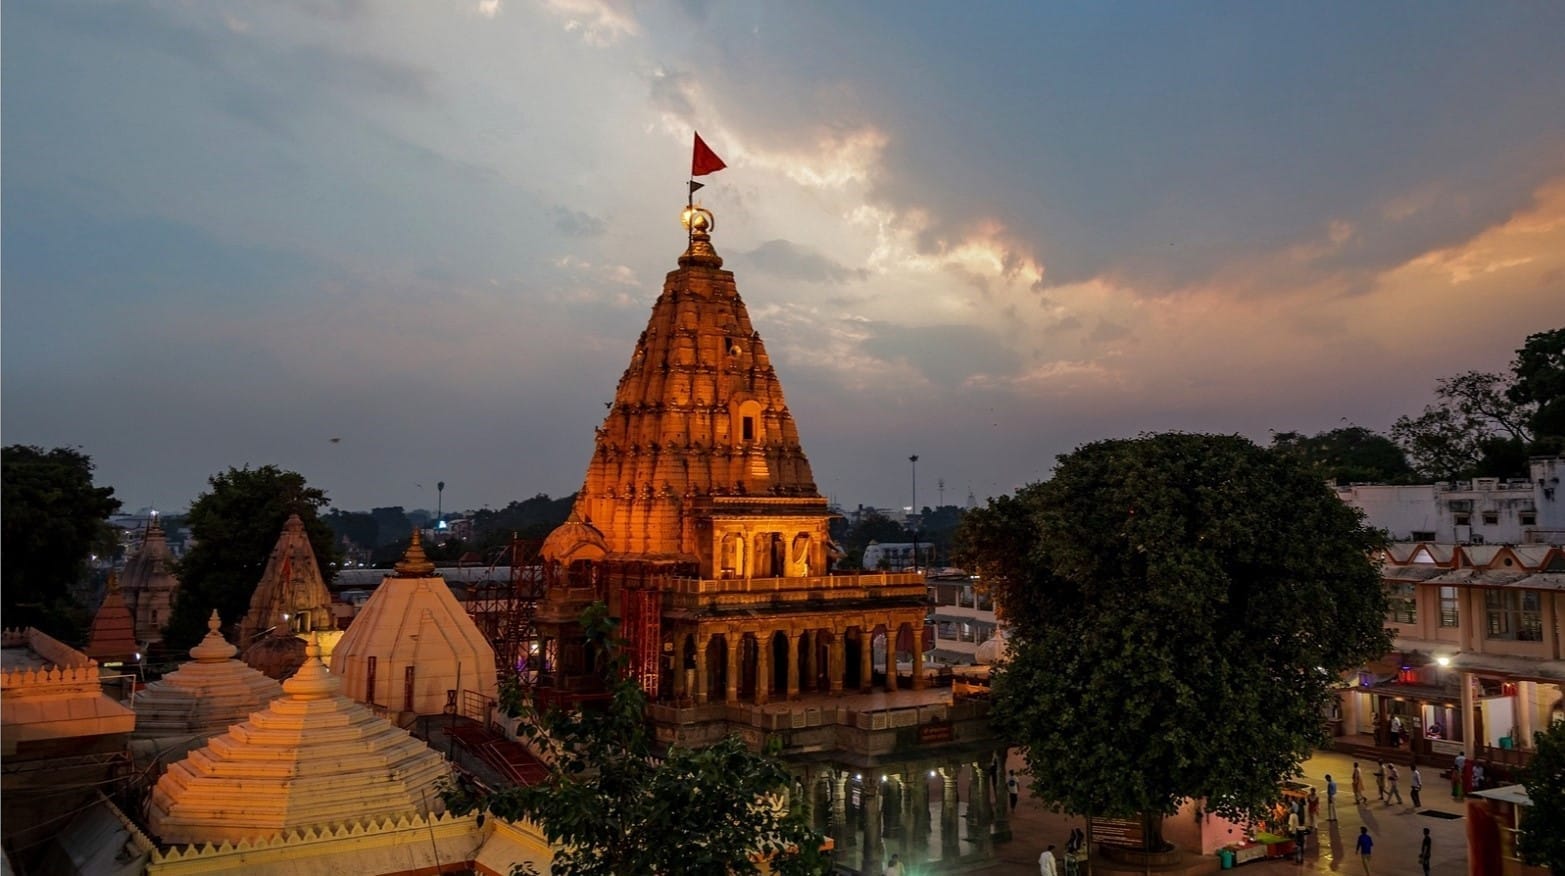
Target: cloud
488 8
576 223
790 260
598 22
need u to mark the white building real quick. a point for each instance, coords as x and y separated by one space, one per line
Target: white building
1480 511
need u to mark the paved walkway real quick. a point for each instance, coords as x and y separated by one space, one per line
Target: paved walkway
1396 830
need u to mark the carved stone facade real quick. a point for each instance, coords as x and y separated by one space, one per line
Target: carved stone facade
701 527
291 593
149 584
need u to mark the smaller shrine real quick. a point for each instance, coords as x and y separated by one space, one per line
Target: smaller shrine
412 648
313 759
113 636
204 697
291 591
149 584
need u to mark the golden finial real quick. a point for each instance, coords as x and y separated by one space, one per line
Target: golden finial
700 222
214 647
415 564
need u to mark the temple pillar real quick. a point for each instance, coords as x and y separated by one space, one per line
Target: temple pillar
921 819
793 665
1468 728
891 656
703 684
918 657
763 667
811 640
866 661
735 641
1002 802
680 679
950 828
837 672
978 799
840 830
873 845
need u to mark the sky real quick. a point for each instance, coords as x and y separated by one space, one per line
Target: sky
389 244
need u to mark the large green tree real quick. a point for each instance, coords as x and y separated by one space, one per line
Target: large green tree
1542 838
1350 455
52 517
610 808
1474 428
1539 384
1181 608
235 525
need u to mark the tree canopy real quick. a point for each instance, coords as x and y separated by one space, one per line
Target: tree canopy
1539 384
1485 424
1181 608
610 808
52 518
1350 455
235 525
1542 839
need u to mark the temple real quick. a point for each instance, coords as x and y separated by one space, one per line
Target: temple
412 646
291 590
149 583
112 638
701 527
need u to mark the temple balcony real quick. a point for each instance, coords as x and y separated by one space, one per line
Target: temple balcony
739 593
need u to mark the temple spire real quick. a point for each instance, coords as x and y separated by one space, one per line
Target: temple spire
700 223
415 563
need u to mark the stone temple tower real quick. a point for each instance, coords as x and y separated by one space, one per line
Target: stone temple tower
700 525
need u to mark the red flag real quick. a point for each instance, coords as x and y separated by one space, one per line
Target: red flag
703 160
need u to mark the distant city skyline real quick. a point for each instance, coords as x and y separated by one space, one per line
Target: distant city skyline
385 245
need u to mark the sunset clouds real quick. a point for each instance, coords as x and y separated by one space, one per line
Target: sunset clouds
978 236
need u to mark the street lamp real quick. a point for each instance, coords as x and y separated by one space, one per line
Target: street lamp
914 461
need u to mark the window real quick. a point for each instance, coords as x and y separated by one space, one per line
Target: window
749 428
1464 519
1401 599
1516 615
1529 518
1450 607
1423 535
1491 518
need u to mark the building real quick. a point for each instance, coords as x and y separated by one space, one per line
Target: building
149 583
1479 511
701 526
412 646
962 616
61 739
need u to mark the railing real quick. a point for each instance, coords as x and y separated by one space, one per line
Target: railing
737 592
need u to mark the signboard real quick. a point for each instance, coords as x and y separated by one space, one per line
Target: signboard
937 731
1116 831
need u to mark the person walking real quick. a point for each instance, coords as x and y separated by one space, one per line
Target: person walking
1296 830
1312 808
894 866
1364 846
1046 863
1393 780
1014 787
1380 779
1424 849
1456 776
1415 784
1396 732
1358 784
1331 798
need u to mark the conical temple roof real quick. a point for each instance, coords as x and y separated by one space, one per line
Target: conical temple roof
291 585
205 696
423 642
113 635
699 412
149 583
313 757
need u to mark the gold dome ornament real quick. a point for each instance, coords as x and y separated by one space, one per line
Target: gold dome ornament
699 223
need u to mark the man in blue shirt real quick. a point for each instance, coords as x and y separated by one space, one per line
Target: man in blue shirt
1331 798
1364 846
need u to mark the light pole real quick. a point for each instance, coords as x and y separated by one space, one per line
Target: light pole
914 461
440 498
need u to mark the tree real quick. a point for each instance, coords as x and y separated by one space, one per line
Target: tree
609 807
358 527
1474 428
52 517
1539 384
1181 608
1542 838
1351 455
235 525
